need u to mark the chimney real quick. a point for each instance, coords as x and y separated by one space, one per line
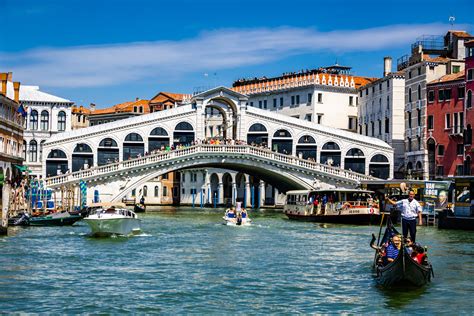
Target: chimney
16 95
10 76
387 65
92 107
137 99
3 79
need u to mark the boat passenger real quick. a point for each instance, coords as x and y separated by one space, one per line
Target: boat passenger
393 248
243 213
418 254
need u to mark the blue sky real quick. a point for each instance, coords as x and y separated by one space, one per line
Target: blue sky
108 52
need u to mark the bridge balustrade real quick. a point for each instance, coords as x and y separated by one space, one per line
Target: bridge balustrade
239 149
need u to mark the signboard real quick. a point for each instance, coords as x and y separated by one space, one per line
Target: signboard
435 196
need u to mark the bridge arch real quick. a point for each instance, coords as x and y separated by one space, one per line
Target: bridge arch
209 118
233 119
56 162
183 134
133 146
82 157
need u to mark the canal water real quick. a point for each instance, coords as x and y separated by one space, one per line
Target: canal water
186 261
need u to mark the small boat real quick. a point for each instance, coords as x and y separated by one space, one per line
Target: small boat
63 218
403 269
22 219
343 206
238 217
139 208
113 220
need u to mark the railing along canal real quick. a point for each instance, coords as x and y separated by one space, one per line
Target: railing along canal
196 149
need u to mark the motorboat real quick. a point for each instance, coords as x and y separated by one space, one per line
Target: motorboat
237 217
59 218
113 219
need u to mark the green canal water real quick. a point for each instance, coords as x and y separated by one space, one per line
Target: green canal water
186 261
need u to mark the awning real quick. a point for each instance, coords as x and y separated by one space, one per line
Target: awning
23 168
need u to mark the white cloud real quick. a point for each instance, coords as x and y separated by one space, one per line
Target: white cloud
103 65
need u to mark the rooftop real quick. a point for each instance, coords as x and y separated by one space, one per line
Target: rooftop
450 77
126 107
33 94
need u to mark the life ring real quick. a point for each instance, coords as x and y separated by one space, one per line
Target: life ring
371 211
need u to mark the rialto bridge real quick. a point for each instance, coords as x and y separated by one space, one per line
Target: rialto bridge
289 153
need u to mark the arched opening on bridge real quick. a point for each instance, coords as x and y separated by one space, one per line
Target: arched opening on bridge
158 139
82 157
56 163
133 146
215 124
282 142
379 167
214 182
227 183
269 194
183 134
257 135
355 160
229 121
431 145
331 154
306 147
240 183
107 152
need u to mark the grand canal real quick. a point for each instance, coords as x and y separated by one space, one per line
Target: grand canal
186 261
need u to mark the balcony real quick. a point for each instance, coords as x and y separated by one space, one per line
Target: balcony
456 131
419 104
408 133
408 107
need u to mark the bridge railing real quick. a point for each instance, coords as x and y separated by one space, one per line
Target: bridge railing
235 149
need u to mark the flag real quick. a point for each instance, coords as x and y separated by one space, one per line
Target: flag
21 110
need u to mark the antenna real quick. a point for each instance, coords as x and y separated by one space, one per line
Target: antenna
452 18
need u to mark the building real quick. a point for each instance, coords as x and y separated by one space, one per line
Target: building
445 126
326 96
468 108
11 142
118 112
431 58
167 100
381 112
47 115
79 117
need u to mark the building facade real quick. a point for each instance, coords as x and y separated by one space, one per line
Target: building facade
445 126
431 58
381 112
326 96
79 117
469 107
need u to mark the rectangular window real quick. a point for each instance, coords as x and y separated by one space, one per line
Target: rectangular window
292 100
409 119
440 170
460 149
388 83
440 150
373 89
431 96
367 91
281 102
430 121
380 86
310 98
320 118
298 99
274 102
387 125
461 92
351 100
351 121
164 177
380 127
440 95
459 170
251 103
360 93
260 104
264 104
308 117
419 71
470 74
447 121
165 191
366 129
134 192
456 69
409 74
447 94
320 98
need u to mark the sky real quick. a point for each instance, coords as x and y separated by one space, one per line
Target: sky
109 52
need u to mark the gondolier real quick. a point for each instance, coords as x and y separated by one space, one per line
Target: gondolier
410 209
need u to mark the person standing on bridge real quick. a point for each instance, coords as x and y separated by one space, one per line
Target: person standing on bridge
410 209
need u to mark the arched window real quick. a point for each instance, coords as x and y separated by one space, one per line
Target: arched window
157 191
469 99
183 134
145 191
419 92
409 95
34 120
331 154
24 150
133 137
306 147
41 149
379 167
44 120
56 163
133 146
61 121
82 157
355 160
282 142
108 152
257 134
33 151
158 138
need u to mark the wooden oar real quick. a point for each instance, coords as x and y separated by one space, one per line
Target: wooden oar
380 231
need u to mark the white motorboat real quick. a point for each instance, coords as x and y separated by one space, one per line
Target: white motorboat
237 217
113 220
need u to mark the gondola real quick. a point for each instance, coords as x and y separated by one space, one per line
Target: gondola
404 269
139 208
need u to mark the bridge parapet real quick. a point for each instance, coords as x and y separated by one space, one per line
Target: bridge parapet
222 151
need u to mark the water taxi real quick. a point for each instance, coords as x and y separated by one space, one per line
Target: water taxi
348 206
113 220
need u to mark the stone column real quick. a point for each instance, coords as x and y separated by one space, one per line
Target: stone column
261 189
5 206
234 192
247 194
220 193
